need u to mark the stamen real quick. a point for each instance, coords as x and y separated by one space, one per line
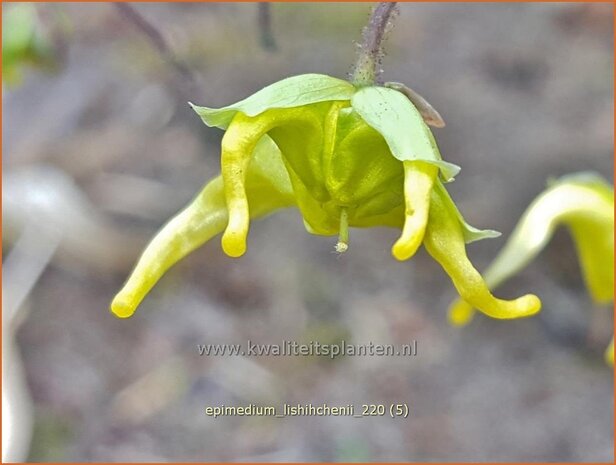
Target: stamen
343 235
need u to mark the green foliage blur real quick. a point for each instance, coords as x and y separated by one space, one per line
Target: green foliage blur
25 44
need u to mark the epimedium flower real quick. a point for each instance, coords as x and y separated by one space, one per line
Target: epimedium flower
344 156
582 202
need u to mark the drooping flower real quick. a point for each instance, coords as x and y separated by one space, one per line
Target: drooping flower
344 156
582 202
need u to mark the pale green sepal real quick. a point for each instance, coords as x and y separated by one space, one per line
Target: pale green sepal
393 115
471 234
291 92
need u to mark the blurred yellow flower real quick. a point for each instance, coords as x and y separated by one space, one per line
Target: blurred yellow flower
582 202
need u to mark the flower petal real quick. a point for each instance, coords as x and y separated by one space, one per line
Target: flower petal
294 91
400 123
419 178
298 133
584 203
238 145
444 241
206 216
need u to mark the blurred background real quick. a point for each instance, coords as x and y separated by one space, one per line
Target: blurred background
100 148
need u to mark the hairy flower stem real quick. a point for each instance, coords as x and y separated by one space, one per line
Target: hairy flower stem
367 70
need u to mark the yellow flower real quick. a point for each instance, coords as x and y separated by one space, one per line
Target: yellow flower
345 156
584 203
